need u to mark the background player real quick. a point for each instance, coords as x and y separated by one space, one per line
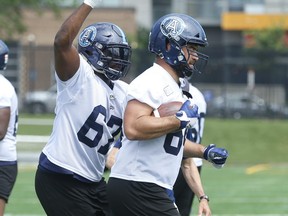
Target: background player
183 194
88 116
8 131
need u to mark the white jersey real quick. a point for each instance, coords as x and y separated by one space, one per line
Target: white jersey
8 98
198 128
88 117
155 160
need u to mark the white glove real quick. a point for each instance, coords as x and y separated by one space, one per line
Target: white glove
185 120
187 114
92 3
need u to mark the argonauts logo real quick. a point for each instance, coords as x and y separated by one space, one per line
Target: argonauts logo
173 26
87 36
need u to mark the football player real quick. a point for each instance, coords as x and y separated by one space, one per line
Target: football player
8 131
184 196
188 182
152 147
69 178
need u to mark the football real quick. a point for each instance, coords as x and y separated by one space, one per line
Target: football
167 109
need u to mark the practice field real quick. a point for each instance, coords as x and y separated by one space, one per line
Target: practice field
253 182
234 190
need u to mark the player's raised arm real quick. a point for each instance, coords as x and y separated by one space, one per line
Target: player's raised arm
66 56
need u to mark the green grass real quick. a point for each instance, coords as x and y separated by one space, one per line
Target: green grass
30 130
232 191
249 141
23 200
253 182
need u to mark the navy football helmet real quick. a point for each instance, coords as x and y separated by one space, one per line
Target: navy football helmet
106 49
3 55
178 30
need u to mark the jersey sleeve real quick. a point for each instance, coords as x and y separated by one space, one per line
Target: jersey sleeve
5 96
4 101
68 90
153 87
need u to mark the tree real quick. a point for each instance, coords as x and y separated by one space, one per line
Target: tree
11 14
271 39
266 45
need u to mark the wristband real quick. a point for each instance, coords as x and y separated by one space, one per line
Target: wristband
203 197
92 3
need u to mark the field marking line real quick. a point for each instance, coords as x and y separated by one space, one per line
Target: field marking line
32 138
257 168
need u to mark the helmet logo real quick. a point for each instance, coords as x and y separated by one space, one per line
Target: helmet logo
87 36
172 26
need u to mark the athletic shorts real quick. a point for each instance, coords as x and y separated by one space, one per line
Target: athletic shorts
131 198
8 175
61 194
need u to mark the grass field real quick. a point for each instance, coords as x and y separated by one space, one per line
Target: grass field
253 182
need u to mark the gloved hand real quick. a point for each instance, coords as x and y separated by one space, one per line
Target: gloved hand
217 156
92 3
187 114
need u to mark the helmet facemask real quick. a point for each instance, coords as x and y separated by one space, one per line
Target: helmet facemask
114 60
3 55
180 63
198 66
3 61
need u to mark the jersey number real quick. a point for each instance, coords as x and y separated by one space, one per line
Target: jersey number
176 137
95 123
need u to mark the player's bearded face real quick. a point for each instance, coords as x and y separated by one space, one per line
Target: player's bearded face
191 55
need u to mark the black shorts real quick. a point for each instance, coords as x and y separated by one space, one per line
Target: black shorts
61 194
8 175
131 198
